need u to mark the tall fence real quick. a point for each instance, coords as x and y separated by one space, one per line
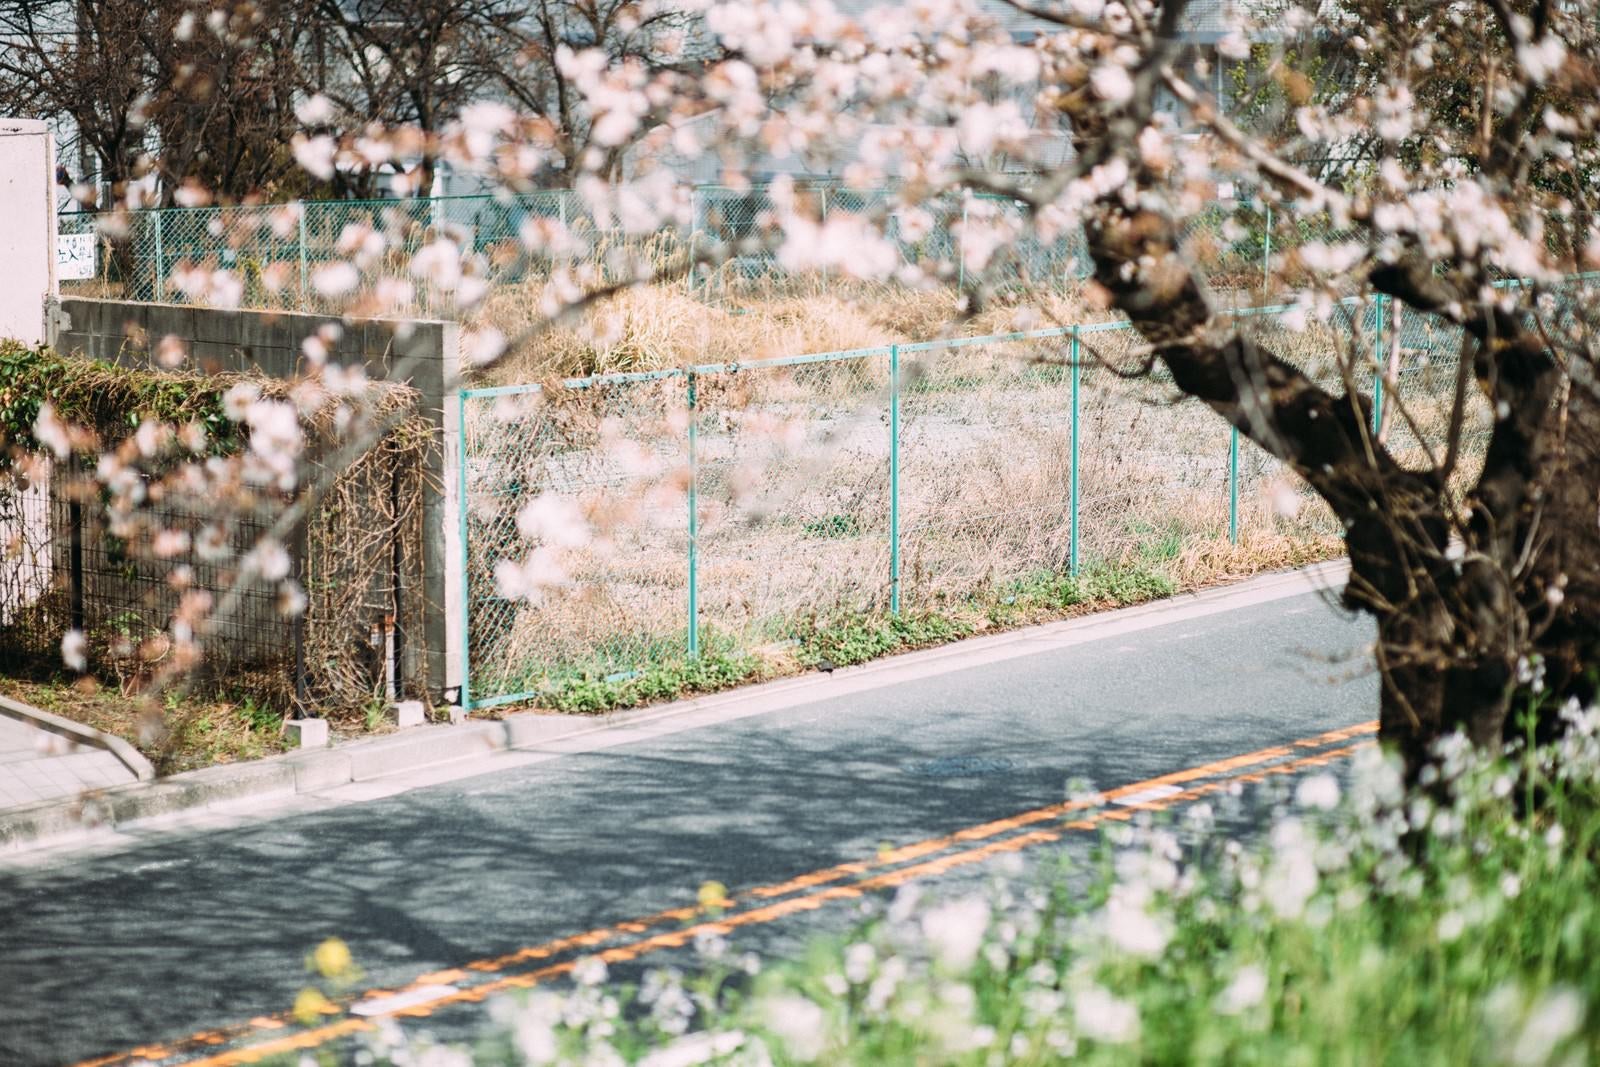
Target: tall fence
127 577
273 251
745 502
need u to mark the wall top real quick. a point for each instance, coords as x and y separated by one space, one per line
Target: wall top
23 127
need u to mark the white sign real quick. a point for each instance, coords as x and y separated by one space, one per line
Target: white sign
75 256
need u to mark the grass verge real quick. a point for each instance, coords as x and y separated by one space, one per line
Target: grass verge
848 639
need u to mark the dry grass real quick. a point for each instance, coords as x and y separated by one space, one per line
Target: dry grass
659 326
793 500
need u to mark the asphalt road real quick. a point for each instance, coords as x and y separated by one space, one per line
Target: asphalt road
191 931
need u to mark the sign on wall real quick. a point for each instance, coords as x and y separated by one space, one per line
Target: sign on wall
75 254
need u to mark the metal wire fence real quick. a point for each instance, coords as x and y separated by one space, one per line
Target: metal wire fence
742 503
271 253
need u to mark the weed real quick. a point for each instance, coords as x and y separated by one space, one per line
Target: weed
1327 938
1123 584
260 718
1118 584
1161 542
833 526
591 690
857 638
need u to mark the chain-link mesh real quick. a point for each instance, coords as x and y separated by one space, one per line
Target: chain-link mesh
792 482
575 515
1420 358
1155 466
985 463
271 253
759 498
1271 500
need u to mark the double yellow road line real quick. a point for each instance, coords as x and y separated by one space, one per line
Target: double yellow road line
633 938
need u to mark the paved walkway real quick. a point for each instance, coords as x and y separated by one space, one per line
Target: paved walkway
36 765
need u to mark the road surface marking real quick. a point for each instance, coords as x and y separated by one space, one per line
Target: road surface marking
397 1002
1167 784
1145 796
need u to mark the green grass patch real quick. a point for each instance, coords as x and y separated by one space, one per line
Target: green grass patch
833 526
636 672
197 730
597 689
853 639
1110 584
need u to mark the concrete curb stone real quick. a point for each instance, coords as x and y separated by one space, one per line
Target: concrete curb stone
77 733
301 771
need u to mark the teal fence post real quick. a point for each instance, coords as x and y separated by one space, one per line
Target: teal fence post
1266 252
696 207
694 526
305 263
161 259
823 219
1072 475
1233 487
961 240
1377 357
466 552
894 479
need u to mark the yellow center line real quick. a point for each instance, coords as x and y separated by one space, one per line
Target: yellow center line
593 939
794 905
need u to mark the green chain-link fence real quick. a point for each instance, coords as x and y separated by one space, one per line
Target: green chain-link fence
272 253
740 503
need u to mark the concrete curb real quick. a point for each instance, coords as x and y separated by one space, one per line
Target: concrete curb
423 747
305 771
78 734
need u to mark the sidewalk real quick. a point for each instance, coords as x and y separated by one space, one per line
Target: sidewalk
37 765
46 798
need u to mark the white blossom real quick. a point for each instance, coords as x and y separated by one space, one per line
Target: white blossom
315 110
553 520
799 1023
1319 791
335 279
955 930
1112 83
1245 991
1554 1018
75 651
314 154
1102 1017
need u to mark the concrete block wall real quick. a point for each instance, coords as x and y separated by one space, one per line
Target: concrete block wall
424 353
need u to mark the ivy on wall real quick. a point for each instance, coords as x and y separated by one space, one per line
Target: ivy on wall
112 401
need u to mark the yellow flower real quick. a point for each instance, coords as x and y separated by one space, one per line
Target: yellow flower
332 958
713 895
310 1004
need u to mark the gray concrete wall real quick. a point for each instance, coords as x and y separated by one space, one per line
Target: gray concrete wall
421 352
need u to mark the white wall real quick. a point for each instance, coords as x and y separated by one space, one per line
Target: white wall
27 228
